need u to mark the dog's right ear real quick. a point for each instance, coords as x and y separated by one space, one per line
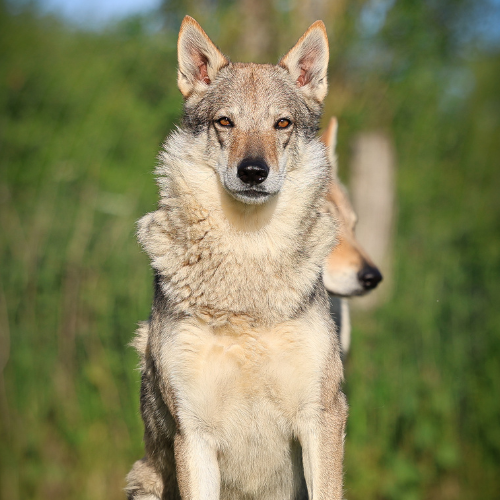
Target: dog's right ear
199 59
329 139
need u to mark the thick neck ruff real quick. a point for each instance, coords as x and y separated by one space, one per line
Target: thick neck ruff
224 262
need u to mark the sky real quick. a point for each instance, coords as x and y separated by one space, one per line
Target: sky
96 11
486 26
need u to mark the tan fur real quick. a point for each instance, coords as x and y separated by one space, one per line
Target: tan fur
241 373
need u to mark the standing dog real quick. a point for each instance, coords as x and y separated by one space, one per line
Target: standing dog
241 372
349 271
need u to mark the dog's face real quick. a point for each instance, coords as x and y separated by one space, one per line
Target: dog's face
251 142
348 269
254 116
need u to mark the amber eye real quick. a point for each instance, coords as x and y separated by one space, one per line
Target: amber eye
283 123
225 122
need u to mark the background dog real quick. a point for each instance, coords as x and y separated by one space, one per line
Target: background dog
348 271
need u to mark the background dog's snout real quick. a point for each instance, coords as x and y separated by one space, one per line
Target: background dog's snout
253 171
369 277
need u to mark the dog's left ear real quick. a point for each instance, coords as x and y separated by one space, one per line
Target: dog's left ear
199 59
307 61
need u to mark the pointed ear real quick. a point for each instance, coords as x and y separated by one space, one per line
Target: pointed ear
199 59
329 139
307 61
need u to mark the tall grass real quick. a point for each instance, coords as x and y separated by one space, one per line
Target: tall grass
81 119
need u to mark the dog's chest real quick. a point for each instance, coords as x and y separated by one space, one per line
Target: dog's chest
247 385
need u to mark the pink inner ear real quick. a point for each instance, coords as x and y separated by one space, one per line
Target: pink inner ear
303 77
305 65
201 62
202 68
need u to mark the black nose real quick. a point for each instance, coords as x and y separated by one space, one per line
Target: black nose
369 277
253 171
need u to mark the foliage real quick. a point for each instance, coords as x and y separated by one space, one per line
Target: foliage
82 117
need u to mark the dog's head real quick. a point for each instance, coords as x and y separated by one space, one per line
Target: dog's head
254 116
348 270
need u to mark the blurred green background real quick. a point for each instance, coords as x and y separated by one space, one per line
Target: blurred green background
83 110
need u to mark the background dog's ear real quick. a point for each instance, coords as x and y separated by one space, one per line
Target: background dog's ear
199 59
307 61
329 139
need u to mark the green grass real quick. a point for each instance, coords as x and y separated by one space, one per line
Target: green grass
81 118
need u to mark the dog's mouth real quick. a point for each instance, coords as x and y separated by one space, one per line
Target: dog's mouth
252 196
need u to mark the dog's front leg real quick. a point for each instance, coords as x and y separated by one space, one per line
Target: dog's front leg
322 441
197 468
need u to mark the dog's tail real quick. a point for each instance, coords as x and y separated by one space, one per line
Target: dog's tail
140 342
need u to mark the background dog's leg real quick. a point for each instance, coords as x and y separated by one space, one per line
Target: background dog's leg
345 330
197 468
323 451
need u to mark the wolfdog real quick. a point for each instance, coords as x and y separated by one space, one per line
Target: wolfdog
349 271
241 371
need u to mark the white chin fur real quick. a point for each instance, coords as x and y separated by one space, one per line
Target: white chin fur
343 285
251 199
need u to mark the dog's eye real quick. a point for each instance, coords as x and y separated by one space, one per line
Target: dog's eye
225 122
283 123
